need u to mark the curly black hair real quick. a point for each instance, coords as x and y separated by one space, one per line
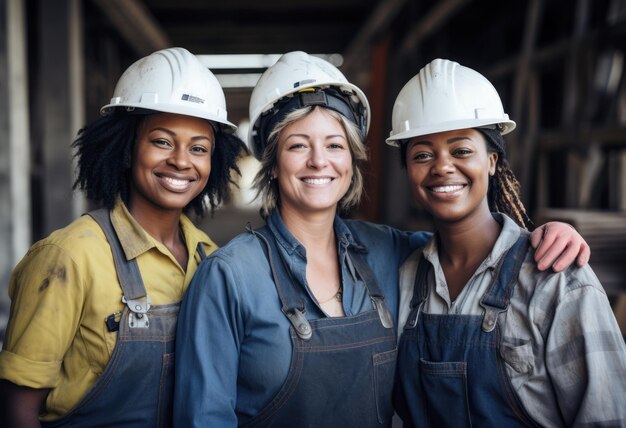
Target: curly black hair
104 150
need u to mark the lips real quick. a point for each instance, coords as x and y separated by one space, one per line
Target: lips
175 184
449 188
317 181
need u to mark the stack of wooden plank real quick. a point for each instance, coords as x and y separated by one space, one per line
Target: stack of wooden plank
605 232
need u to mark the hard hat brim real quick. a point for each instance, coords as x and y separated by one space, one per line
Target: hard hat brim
166 108
506 126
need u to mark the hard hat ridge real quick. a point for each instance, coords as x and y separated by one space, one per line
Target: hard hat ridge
172 81
446 96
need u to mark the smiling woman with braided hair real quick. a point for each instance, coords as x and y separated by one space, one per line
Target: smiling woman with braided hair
487 339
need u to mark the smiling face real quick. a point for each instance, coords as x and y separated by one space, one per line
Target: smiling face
171 161
314 164
449 173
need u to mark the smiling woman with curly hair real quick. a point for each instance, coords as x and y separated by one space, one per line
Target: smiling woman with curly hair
90 339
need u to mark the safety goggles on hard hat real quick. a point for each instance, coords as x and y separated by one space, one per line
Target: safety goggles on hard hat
330 98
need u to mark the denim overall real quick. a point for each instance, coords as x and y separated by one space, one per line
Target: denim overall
342 369
136 387
449 370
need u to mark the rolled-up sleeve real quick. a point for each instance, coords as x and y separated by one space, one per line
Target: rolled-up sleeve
207 348
586 359
46 303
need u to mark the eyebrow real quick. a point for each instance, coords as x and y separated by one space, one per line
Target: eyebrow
429 143
308 137
173 134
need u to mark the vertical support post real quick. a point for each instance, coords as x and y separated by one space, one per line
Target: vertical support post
60 109
15 209
371 207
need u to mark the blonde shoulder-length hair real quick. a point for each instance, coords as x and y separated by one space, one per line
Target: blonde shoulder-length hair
267 188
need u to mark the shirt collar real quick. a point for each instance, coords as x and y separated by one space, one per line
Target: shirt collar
508 236
136 241
291 244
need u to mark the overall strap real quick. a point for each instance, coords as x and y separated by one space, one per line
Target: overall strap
497 297
200 251
420 292
127 270
291 303
128 275
357 255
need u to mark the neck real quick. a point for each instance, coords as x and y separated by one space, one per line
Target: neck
162 225
311 229
468 241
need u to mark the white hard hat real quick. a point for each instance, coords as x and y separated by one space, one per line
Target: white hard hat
287 78
446 96
172 81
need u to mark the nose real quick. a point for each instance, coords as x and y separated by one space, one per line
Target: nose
442 165
179 158
318 157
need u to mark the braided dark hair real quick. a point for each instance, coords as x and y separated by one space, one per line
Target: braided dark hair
104 152
504 189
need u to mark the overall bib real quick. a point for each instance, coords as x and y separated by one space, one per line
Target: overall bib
449 370
137 385
342 369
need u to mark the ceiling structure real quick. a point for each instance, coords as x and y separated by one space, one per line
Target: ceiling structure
488 34
250 27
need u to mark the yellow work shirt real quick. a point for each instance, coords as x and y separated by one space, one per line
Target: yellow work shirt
63 290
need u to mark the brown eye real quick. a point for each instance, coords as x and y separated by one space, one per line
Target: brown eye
463 152
199 149
161 142
421 156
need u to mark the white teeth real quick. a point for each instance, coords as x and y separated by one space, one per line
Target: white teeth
447 189
316 180
176 182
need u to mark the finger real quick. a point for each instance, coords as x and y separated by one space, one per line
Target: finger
549 248
583 255
549 255
536 236
566 258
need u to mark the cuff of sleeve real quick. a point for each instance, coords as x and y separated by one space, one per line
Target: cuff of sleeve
24 372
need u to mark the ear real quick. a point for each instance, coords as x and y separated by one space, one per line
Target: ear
493 160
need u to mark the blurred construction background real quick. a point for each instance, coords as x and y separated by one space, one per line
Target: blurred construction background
557 64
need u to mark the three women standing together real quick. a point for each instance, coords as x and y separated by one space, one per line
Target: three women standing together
290 325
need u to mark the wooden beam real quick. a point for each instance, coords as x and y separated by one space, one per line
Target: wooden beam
527 143
573 95
558 49
603 136
376 24
136 25
434 20
371 208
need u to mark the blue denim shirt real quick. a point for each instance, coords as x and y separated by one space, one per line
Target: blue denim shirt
233 350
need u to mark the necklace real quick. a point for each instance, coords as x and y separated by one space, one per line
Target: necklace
338 296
